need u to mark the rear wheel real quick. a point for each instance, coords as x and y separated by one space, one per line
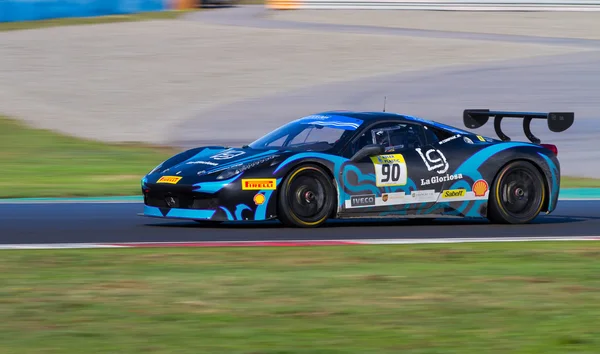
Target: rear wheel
306 198
518 194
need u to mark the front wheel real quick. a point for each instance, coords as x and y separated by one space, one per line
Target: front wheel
518 194
307 197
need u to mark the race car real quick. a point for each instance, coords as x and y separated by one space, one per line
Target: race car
345 164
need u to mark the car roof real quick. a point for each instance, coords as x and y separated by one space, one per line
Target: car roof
387 116
370 116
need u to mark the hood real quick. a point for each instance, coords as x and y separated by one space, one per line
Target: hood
211 160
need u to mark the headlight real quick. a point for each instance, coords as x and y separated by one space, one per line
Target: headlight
237 169
232 171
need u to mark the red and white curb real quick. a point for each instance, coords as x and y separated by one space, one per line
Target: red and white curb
294 243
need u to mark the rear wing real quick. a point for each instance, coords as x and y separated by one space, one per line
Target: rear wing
557 121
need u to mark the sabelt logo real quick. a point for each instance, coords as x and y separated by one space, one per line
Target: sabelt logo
169 179
480 187
454 193
259 184
362 200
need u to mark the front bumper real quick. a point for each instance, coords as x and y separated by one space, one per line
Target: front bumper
179 202
211 200
177 213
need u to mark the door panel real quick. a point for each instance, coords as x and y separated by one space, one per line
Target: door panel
389 183
402 180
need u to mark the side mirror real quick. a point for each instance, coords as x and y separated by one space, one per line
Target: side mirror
369 150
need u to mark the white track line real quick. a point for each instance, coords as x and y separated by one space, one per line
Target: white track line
477 239
293 242
48 246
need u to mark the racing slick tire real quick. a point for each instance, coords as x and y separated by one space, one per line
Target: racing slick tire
307 197
517 195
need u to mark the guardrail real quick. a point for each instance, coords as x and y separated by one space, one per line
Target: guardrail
457 5
31 10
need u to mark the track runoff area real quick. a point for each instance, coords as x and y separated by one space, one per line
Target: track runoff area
297 243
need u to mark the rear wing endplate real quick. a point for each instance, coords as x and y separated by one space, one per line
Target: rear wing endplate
557 121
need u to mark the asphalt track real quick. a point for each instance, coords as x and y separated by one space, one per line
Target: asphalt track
57 223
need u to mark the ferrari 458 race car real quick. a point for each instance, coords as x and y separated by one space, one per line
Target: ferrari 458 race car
343 164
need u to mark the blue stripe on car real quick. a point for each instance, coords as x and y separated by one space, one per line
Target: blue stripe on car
195 214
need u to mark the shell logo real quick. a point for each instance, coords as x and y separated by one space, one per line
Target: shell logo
259 199
480 187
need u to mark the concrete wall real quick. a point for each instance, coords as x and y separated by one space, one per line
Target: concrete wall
31 10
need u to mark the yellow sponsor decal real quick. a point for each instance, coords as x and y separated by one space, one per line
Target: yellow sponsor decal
480 138
389 159
257 184
454 193
169 179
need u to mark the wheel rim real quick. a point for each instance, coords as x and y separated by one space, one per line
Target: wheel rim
307 196
518 192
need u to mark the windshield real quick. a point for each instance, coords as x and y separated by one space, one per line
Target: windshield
316 133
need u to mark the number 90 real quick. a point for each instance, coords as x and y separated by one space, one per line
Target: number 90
390 172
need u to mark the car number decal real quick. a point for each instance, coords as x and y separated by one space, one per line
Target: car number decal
390 170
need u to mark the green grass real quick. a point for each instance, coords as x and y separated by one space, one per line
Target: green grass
40 163
579 182
468 298
144 16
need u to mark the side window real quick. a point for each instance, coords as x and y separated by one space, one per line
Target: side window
392 135
278 142
366 138
400 137
438 134
430 135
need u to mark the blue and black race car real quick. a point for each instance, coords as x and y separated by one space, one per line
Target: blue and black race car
343 164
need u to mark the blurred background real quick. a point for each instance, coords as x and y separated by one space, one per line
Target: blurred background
96 93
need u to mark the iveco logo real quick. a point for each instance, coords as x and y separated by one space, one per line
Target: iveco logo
361 200
170 202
